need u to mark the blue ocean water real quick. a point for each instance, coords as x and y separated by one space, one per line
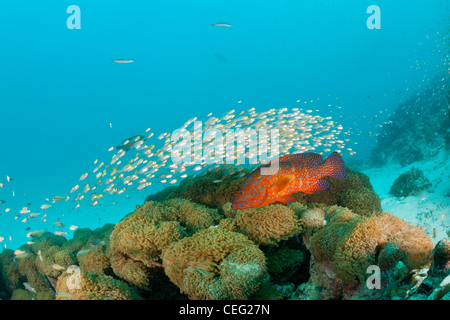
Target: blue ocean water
64 103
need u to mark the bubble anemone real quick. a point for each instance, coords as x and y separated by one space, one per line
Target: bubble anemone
215 263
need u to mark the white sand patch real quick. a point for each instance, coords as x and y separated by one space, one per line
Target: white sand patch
429 210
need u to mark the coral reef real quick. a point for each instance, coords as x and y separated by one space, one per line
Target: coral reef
215 263
137 241
75 284
267 225
351 243
317 248
410 183
190 215
406 144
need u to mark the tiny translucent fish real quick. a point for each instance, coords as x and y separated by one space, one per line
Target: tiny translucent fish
73 227
111 149
86 188
217 181
77 206
222 24
24 210
58 224
45 206
8 179
28 287
97 243
58 198
1 185
29 242
63 295
1 239
60 233
58 267
35 234
82 252
122 60
84 176
40 255
10 238
33 215
74 188
19 252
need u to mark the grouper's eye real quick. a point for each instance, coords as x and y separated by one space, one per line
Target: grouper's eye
240 193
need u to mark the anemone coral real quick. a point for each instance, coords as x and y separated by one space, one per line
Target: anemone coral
137 241
46 261
192 216
312 220
93 286
267 225
10 270
94 261
215 263
21 294
351 243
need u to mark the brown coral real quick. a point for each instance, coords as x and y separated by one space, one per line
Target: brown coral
215 264
137 241
351 243
191 215
95 261
267 225
93 286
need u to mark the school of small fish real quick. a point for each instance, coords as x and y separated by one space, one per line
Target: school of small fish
141 160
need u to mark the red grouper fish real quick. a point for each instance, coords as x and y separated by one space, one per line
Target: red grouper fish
300 172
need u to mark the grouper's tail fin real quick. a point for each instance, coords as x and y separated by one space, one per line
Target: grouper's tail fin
334 167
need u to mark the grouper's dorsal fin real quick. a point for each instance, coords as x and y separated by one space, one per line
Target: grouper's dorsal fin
303 159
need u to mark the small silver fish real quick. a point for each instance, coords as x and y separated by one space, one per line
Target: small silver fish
35 234
58 198
28 287
2 201
58 267
122 60
63 295
222 24
97 243
60 233
82 252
